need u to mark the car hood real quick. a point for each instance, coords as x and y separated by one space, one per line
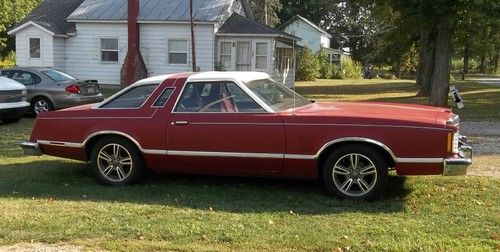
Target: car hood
7 84
373 113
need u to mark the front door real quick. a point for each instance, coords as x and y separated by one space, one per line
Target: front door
216 128
243 56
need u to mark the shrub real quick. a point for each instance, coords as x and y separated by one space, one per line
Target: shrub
307 65
351 69
8 61
325 68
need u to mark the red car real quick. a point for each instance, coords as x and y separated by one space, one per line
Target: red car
245 124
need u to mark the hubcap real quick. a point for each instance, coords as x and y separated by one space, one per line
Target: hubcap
41 106
354 174
114 162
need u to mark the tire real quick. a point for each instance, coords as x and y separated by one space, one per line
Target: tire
40 105
11 120
116 162
363 183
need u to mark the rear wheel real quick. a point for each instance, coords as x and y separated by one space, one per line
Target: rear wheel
11 120
116 162
355 172
40 105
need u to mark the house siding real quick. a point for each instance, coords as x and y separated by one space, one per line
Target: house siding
83 58
46 47
154 47
311 38
59 54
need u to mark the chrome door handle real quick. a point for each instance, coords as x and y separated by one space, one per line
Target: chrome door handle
180 122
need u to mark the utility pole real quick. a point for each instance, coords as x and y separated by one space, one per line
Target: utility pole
265 12
193 55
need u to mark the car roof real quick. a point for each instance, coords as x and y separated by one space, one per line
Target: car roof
229 75
36 69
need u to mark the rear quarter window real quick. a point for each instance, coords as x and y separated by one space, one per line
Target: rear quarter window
132 98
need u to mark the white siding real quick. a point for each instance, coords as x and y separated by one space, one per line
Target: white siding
325 41
311 38
22 50
59 54
83 58
154 47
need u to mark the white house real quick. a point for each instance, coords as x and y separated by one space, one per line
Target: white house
89 38
313 37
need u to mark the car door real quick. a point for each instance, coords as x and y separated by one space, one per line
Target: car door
30 80
217 128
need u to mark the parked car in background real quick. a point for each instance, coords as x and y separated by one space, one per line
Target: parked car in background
245 124
13 103
50 89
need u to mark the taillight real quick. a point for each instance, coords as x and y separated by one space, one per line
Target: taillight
73 88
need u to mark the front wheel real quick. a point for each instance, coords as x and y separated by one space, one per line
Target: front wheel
116 162
355 172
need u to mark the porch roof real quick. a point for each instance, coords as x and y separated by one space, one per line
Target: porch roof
238 25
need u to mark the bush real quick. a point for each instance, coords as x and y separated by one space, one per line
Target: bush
351 69
325 68
307 65
8 61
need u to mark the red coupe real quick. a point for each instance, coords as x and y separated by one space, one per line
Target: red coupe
245 124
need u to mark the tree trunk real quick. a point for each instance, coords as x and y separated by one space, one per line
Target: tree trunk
440 82
466 61
426 61
495 61
482 64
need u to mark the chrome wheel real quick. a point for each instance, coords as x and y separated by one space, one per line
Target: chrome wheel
354 174
41 106
114 162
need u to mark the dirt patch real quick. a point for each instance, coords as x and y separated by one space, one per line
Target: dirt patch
40 247
484 137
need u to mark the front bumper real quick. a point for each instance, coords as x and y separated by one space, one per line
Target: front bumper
14 112
458 165
31 149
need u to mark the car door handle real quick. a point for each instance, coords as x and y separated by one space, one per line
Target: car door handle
180 122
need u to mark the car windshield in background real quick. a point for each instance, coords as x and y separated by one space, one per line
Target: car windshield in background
276 96
58 76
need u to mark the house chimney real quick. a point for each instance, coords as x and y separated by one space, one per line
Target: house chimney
133 68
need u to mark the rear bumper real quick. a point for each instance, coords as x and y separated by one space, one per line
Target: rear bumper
76 100
31 149
458 165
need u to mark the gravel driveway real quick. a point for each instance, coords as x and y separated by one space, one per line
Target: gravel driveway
485 139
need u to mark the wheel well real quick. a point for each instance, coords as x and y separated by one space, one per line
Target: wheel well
42 96
89 144
328 150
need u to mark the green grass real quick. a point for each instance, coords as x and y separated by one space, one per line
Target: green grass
51 200
479 99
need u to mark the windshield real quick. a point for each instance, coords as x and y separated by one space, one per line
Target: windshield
277 96
58 76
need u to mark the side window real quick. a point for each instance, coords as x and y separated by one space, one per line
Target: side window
109 50
216 97
26 78
133 98
34 44
160 102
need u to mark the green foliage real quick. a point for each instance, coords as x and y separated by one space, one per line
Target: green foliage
351 69
259 13
11 12
8 61
307 65
325 68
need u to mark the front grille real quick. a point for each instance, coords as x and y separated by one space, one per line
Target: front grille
11 96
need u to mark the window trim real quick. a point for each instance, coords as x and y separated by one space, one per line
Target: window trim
159 96
188 46
267 109
231 54
109 50
29 37
254 65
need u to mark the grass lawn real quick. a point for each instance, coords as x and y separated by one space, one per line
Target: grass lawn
51 200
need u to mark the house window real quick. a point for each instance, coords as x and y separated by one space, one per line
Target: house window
34 44
178 51
261 55
225 55
109 49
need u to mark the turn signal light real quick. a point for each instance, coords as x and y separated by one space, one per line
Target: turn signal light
73 88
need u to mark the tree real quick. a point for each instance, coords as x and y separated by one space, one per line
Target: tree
266 11
12 11
307 65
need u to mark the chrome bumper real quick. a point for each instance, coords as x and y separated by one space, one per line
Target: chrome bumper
458 165
32 149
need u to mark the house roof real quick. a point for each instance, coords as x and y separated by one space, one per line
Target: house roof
154 10
236 24
50 15
298 17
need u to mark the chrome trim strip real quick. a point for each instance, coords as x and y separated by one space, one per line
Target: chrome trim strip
59 143
363 125
154 152
223 154
357 139
420 160
299 156
112 132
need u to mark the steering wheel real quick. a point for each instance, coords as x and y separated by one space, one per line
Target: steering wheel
206 107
